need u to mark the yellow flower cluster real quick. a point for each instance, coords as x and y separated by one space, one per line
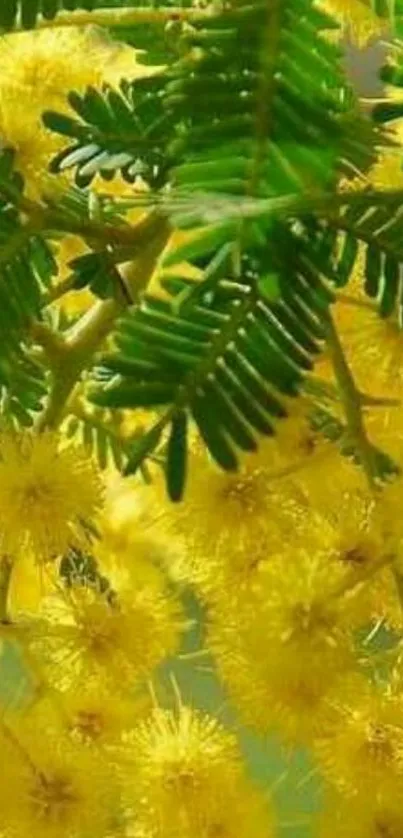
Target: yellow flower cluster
49 493
189 780
295 559
358 19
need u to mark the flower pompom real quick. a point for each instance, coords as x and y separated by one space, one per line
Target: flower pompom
50 494
362 754
281 652
119 641
188 779
49 789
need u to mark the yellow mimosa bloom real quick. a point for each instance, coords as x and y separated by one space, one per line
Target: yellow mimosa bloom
189 781
363 752
120 641
48 493
361 817
283 650
49 789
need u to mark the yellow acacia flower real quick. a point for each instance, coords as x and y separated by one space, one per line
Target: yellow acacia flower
121 642
50 789
387 171
90 716
363 753
189 781
360 534
283 650
373 345
229 522
357 17
96 718
48 492
296 457
131 546
360 817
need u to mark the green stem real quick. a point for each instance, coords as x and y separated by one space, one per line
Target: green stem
351 401
51 342
6 567
80 345
70 355
121 17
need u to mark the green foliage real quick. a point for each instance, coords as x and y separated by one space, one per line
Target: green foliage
118 130
258 102
26 268
265 113
28 243
242 139
226 359
98 434
371 224
23 387
25 13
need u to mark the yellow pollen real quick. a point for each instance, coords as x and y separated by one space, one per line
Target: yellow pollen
88 724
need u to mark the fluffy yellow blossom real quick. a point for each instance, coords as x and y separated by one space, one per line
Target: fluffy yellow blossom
50 789
122 642
361 818
38 69
363 752
48 493
96 718
360 534
131 546
373 345
229 522
189 781
300 452
90 716
357 17
282 651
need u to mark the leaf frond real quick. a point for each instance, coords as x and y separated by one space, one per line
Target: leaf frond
229 359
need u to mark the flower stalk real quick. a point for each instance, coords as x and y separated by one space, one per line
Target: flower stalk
122 17
351 400
6 568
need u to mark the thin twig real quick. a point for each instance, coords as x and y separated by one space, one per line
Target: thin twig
83 339
6 568
120 17
80 345
351 401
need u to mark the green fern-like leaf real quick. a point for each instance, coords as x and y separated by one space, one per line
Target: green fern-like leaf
22 387
121 130
27 265
257 105
98 434
261 102
25 13
370 223
228 360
